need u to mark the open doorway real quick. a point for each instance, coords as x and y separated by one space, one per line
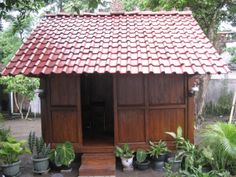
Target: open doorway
97 109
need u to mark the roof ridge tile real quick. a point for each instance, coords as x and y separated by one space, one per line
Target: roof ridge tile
125 13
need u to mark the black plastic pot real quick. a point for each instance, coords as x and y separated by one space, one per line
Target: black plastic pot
175 164
143 165
206 168
161 158
158 165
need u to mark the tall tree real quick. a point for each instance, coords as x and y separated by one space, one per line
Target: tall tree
75 6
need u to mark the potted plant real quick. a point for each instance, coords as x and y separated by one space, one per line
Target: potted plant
9 156
63 156
176 160
1 122
158 153
126 155
141 160
4 134
40 153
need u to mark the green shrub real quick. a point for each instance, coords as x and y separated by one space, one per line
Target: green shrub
4 134
1 120
221 107
220 138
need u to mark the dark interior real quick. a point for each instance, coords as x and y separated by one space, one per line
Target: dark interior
97 109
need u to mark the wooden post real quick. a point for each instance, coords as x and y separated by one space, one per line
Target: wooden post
232 109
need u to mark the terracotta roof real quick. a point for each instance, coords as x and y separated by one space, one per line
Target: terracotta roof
135 42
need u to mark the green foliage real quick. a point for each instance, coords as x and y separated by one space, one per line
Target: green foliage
178 136
9 44
232 52
221 107
75 6
21 85
38 147
220 138
196 172
11 149
131 5
157 149
124 151
141 155
4 134
1 119
194 158
21 6
63 154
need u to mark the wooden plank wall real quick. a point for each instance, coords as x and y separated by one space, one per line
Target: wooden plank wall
61 110
145 107
150 105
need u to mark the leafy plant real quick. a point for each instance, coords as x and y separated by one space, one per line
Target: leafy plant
178 137
63 154
38 147
141 155
1 119
11 149
124 151
221 107
193 157
220 138
196 172
4 134
157 149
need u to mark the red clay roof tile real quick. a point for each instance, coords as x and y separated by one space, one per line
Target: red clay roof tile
135 42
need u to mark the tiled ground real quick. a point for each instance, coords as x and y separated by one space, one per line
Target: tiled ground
27 171
21 128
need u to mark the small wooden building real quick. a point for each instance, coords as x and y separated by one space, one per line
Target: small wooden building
110 79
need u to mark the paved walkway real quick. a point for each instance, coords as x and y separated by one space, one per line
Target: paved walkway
27 171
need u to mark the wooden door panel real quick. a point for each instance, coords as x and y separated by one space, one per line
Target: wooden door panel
130 90
164 120
64 126
131 126
166 89
63 90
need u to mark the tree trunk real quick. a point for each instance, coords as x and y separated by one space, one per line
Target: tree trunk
204 79
29 108
61 6
17 106
201 95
